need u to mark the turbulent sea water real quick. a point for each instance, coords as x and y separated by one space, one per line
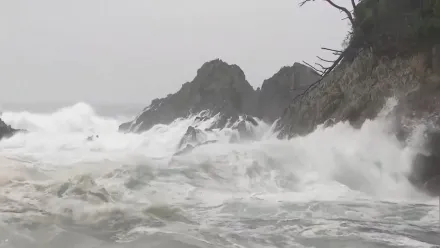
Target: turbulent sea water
337 187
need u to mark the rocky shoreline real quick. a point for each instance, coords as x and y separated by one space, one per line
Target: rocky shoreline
389 55
389 60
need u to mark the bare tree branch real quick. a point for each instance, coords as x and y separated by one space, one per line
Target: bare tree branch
350 17
304 2
345 10
332 50
325 60
322 67
353 4
320 72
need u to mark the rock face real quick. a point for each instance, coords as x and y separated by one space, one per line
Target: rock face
358 90
222 88
193 136
278 91
217 87
6 131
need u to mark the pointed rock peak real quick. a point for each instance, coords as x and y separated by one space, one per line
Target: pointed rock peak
219 66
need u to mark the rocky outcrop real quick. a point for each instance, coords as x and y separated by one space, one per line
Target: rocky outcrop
244 127
218 87
357 91
193 136
222 88
6 131
278 91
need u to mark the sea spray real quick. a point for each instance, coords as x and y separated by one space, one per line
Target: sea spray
317 189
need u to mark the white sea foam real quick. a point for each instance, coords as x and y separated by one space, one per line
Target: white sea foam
315 190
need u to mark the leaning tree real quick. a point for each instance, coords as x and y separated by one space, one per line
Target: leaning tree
347 52
350 15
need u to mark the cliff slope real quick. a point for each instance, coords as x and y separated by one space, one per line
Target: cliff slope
278 91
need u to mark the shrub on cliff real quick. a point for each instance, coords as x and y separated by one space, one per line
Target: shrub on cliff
395 27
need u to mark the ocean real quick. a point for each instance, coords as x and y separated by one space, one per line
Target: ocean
336 187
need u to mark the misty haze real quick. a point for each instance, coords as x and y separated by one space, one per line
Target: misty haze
197 123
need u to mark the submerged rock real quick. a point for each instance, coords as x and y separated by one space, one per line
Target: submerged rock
85 188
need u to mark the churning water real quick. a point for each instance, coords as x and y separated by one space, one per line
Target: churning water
337 187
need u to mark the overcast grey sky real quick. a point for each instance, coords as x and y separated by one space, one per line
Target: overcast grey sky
113 51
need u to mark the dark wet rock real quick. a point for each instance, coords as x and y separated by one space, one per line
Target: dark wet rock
192 136
244 127
425 172
218 88
6 131
201 118
251 120
278 91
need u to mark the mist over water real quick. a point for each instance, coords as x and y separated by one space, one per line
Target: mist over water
336 187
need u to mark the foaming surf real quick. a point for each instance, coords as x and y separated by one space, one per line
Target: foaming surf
336 187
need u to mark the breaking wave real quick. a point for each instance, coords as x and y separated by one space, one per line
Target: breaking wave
335 187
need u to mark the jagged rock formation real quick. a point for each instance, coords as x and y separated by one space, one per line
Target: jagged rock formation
217 87
278 91
222 88
244 126
193 136
6 131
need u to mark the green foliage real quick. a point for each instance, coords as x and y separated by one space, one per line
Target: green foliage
395 25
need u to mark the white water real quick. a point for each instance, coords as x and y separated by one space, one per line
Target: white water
337 187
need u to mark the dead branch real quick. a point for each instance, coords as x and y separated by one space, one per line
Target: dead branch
325 60
315 84
320 72
345 10
332 50
322 67
350 17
